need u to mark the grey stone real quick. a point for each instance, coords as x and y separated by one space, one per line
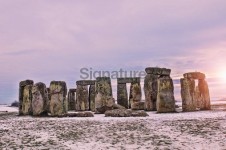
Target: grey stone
138 106
135 94
103 99
25 97
92 93
80 114
85 82
122 95
128 80
82 98
40 100
125 113
165 98
71 99
150 91
158 71
58 92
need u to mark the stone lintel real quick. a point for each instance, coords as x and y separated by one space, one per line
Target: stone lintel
85 82
195 75
158 71
128 80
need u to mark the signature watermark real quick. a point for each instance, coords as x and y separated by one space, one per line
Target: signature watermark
90 74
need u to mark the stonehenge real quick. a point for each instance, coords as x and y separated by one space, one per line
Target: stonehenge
85 98
159 90
134 95
71 99
96 95
194 96
58 92
25 97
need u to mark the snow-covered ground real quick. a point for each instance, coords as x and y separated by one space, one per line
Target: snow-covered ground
193 130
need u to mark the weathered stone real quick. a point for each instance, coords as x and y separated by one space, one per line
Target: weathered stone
92 93
85 82
82 98
117 106
204 95
138 106
80 114
40 101
125 113
128 80
165 98
135 94
118 113
140 113
188 94
25 97
58 91
195 75
103 99
71 99
150 91
158 71
122 96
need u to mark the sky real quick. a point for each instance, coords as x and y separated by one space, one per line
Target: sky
49 40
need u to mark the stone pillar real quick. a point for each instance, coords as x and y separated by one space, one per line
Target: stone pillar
58 91
135 94
188 94
150 91
195 97
71 99
122 95
151 85
92 93
103 99
82 98
40 100
25 97
165 98
204 94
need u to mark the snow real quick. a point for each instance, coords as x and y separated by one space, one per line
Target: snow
190 130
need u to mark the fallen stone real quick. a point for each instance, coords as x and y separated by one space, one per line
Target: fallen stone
80 114
138 106
125 113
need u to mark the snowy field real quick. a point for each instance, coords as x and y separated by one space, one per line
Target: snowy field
193 130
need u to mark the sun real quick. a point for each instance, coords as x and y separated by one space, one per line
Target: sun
222 76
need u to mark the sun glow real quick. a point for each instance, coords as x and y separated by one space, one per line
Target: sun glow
222 76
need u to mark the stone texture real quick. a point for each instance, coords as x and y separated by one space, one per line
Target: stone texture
138 106
128 80
103 99
158 71
58 92
25 97
135 94
80 114
122 95
204 95
195 75
165 98
71 99
40 100
125 113
82 98
150 91
92 93
85 82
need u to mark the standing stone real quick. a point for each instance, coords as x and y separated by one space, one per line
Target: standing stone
188 94
92 93
82 98
165 97
25 97
103 99
58 91
150 91
71 99
135 94
40 101
204 94
122 96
